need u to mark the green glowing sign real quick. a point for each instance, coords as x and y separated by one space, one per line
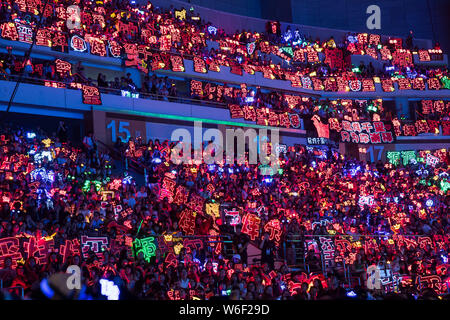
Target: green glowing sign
147 246
407 156
446 82
393 157
87 185
445 185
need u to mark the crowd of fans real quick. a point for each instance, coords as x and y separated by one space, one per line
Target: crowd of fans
45 194
13 65
124 23
54 190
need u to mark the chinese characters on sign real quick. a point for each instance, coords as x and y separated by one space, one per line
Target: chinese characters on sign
365 132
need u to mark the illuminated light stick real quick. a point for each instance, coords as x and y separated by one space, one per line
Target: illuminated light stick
139 229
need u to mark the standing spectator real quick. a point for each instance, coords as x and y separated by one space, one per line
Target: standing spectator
62 132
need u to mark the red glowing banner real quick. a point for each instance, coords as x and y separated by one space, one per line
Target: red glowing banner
299 55
98 18
273 119
294 119
402 58
86 18
273 227
236 111
249 113
375 132
39 249
78 44
168 188
374 39
385 53
10 248
330 84
63 67
54 84
251 225
250 69
96 245
177 63
39 69
427 106
285 121
236 69
43 38
157 62
342 85
334 58
312 55
22 5
9 31
403 84
418 83
409 129
424 55
24 247
261 116
422 126
98 46
187 222
387 85
181 196
294 78
61 12
446 128
129 29
355 85
323 130
267 72
115 49
196 88
214 66
91 95
59 42
192 244
132 56
148 37
317 84
165 42
171 260
196 203
372 52
396 42
439 106
70 248
433 84
25 32
368 85
292 101
199 65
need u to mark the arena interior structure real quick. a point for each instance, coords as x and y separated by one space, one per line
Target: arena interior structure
91 93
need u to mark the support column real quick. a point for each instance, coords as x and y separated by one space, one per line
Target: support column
99 121
402 107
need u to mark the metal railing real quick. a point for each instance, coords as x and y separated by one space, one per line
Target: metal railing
118 92
350 278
